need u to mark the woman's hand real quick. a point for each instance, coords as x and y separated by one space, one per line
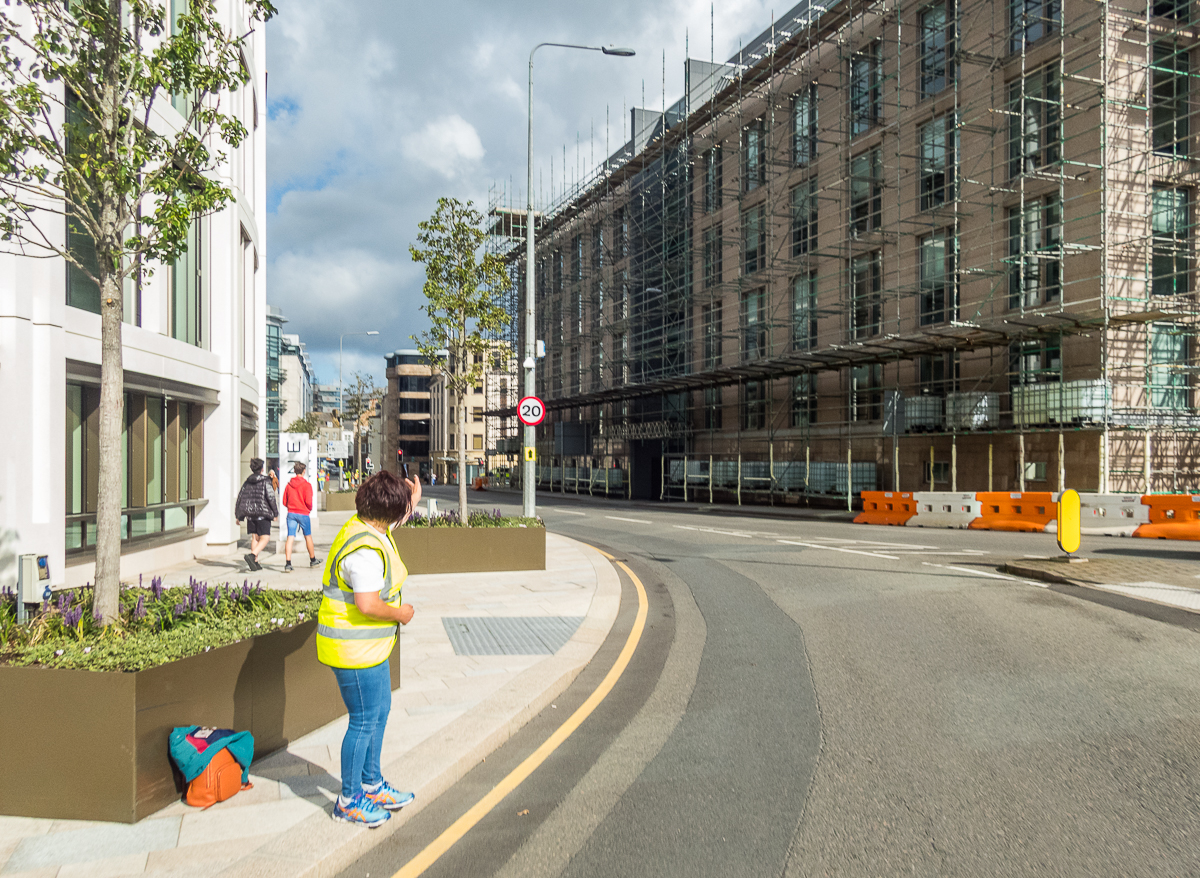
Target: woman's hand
414 486
371 604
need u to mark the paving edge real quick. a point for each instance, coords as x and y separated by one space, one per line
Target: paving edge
318 847
1049 576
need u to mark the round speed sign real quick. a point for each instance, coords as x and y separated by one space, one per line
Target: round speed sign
531 411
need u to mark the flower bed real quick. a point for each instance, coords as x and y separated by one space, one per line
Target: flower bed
450 518
491 543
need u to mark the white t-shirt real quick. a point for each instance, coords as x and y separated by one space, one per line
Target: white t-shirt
362 569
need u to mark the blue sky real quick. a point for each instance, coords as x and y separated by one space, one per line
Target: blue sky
377 108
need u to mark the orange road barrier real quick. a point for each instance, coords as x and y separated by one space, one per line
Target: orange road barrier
1172 517
1001 510
886 507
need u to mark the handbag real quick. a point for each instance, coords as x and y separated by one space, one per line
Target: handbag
220 780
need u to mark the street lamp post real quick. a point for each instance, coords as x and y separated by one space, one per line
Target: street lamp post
529 504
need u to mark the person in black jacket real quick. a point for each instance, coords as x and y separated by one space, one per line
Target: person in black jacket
256 504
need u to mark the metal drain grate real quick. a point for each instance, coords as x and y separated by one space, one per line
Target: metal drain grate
509 635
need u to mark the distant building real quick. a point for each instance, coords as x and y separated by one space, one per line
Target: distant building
326 398
490 441
406 413
289 381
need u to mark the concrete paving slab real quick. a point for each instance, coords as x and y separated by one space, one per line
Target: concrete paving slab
100 841
113 867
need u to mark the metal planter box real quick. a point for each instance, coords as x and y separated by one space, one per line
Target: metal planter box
340 501
471 549
102 735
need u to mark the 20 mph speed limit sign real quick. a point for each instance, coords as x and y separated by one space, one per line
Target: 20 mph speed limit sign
531 411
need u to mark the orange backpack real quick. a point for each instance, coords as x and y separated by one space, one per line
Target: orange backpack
220 780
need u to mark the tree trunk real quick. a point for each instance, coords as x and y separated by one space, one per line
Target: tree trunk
112 419
462 464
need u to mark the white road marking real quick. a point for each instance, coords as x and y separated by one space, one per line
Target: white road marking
839 549
634 520
871 543
568 512
971 552
713 530
969 570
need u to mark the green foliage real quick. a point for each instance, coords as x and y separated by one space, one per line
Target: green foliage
475 519
310 424
156 625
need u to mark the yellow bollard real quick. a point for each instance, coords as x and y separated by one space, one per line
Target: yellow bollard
1069 524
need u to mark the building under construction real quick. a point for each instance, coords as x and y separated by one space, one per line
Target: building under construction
890 245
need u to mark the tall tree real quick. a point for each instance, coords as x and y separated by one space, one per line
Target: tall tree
360 399
462 291
82 151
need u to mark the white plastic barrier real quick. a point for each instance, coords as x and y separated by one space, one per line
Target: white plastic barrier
1114 515
944 509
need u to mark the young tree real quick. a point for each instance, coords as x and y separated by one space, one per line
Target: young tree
89 174
360 399
462 289
310 424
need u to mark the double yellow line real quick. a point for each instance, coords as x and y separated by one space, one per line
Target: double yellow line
480 809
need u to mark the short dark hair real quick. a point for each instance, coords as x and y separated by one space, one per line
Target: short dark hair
256 464
298 468
383 497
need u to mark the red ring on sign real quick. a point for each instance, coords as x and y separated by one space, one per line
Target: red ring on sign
531 411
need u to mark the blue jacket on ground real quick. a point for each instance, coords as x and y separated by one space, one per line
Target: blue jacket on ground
193 747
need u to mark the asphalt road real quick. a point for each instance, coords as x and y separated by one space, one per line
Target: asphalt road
820 698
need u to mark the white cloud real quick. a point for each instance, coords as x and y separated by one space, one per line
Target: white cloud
449 145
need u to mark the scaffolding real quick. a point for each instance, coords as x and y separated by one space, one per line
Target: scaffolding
890 245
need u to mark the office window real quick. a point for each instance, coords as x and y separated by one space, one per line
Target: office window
82 291
1170 221
754 239
712 256
1035 253
621 234
1036 362
804 311
754 156
804 218
1034 113
866 391
710 319
939 148
804 400
712 179
866 191
598 247
712 408
754 405
865 90
1030 20
1168 366
477 414
804 125
1169 96
755 336
1180 10
866 289
558 270
477 442
939 284
577 257
937 48
187 285
937 375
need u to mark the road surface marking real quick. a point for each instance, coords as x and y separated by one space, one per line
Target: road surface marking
713 530
480 809
971 552
567 511
969 570
839 549
634 520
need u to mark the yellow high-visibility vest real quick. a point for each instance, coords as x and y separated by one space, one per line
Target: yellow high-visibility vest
346 636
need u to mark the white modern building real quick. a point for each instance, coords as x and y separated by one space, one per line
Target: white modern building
195 382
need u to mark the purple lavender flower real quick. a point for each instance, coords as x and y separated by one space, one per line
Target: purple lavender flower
180 609
139 610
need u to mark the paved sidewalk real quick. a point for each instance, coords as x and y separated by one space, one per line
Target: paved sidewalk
1173 583
450 712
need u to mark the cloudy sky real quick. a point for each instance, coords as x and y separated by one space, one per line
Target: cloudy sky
379 107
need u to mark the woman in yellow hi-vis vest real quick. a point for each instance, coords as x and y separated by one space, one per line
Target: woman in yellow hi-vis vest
356 631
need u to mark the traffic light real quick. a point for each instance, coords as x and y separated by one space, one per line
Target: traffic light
400 453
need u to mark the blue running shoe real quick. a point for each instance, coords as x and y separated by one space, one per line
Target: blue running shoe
390 798
360 811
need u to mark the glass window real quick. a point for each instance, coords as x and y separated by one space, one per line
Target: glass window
867 286
937 49
712 408
804 125
866 390
1036 362
710 317
82 290
1030 20
598 247
577 257
186 286
1170 220
476 442
804 311
477 414
939 292
155 421
865 90
712 179
938 144
804 218
1169 99
1035 253
1034 113
804 400
937 375
754 324
1168 366
712 256
754 406
866 191
1180 10
754 156
754 239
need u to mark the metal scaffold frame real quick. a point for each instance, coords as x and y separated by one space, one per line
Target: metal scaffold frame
893 245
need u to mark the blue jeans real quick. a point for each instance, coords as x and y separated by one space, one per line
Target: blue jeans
368 696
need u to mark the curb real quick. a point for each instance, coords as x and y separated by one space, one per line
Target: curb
318 847
1042 575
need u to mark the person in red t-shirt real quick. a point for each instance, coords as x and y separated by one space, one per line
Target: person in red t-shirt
298 499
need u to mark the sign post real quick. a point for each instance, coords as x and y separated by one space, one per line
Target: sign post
531 411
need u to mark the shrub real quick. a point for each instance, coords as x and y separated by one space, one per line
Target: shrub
494 518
